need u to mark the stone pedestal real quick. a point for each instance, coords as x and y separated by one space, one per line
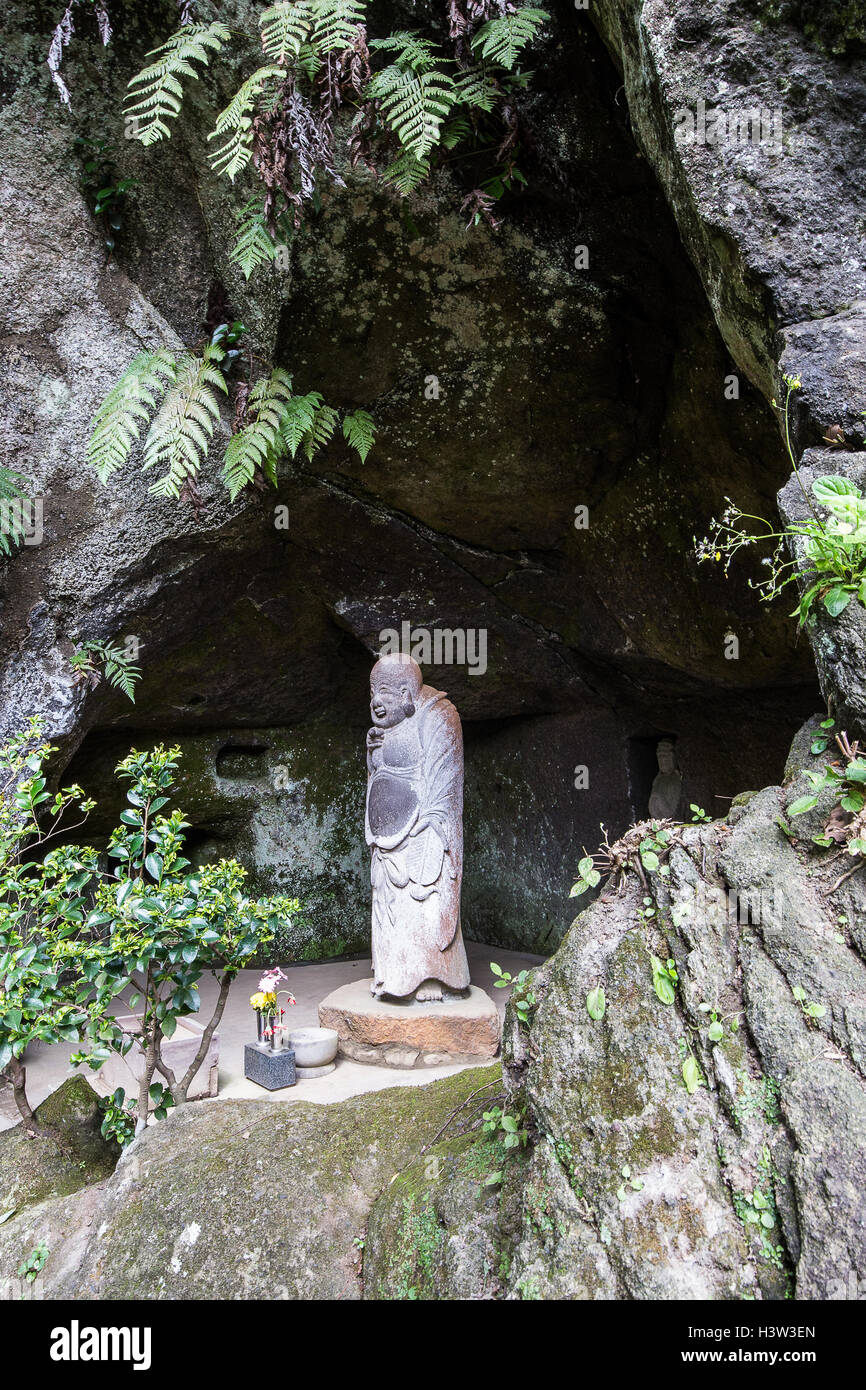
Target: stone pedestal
273 1070
412 1035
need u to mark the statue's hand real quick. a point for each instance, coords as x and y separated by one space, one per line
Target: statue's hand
375 738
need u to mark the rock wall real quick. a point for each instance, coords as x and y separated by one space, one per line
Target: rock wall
558 388
630 1186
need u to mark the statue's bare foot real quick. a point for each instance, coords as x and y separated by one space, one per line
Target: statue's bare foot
377 989
431 992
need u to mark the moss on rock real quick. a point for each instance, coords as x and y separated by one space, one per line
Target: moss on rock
33 1169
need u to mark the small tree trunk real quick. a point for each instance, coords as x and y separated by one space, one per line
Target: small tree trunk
18 1076
144 1086
179 1092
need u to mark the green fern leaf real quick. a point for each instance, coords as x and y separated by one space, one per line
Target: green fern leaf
309 62
476 90
298 420
360 431
406 172
260 442
412 50
414 97
236 121
500 40
320 431
118 422
13 496
156 93
180 435
254 245
285 27
120 671
335 23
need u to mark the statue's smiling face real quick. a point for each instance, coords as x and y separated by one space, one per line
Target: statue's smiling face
390 698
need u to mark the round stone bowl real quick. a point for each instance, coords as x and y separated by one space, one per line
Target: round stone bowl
314 1047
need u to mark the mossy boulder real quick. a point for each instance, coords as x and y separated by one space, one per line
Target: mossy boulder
72 1156
248 1199
743 1177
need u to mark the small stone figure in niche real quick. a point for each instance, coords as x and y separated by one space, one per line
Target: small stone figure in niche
667 787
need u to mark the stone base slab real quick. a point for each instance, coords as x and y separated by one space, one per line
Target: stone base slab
310 1073
383 1033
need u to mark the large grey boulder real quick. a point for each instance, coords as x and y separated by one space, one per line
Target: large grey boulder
630 1186
237 1199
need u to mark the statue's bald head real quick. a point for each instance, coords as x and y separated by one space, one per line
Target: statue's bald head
395 684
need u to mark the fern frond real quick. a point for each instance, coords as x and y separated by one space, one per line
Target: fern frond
285 27
406 172
254 245
180 435
236 121
456 130
299 419
260 442
476 90
118 422
414 100
120 671
13 495
309 62
320 431
155 93
335 23
500 40
360 431
412 50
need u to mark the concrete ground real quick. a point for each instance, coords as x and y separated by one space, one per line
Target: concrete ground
48 1066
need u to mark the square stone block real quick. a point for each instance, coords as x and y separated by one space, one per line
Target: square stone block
273 1070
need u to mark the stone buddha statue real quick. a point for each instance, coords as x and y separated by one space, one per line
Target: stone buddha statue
414 827
667 787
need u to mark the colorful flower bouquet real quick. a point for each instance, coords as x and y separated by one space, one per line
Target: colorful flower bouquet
269 1014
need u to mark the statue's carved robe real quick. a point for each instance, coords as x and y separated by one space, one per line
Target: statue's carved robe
416 773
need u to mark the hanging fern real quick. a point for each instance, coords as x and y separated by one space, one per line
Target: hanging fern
284 28
321 430
500 40
406 172
297 423
360 431
118 666
156 93
476 89
236 122
180 435
254 245
118 422
259 443
414 96
335 23
274 422
13 499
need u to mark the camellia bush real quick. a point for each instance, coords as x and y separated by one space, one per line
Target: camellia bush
85 935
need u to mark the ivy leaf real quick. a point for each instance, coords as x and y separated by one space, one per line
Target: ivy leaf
836 600
596 1003
801 805
691 1075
